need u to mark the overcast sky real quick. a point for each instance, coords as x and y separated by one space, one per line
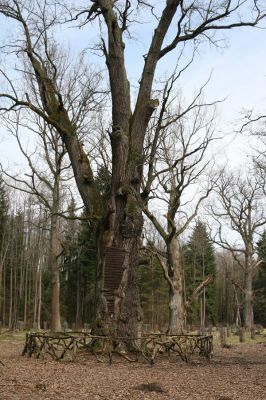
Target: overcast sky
238 74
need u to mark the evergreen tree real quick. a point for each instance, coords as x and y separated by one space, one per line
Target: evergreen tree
69 265
87 269
103 181
199 261
15 261
260 284
154 295
79 261
78 269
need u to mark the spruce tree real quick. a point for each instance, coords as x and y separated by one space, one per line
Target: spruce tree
154 295
69 263
199 260
260 284
78 269
87 268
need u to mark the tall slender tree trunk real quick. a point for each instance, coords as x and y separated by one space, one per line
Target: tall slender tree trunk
1 286
2 277
248 307
26 294
78 318
203 322
11 296
15 297
55 278
237 309
36 281
248 288
4 298
39 305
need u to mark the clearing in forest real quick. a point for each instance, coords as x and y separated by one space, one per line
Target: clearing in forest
238 373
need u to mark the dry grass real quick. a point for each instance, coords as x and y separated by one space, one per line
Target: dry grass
233 339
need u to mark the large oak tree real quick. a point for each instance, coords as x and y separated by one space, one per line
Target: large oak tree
120 216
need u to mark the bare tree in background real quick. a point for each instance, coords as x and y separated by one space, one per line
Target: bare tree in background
49 173
23 261
229 296
179 22
177 167
239 212
43 180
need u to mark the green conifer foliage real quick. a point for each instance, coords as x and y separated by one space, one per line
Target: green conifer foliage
79 261
154 296
87 269
260 285
78 270
199 261
15 260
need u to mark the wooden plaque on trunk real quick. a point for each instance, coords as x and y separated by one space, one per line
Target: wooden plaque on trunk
113 271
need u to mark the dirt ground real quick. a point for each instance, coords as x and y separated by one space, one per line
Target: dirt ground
232 374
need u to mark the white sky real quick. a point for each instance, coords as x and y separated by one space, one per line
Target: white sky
238 73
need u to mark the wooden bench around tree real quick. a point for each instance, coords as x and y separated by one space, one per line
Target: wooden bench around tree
67 345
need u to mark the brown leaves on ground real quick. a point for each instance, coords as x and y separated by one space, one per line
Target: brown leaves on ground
233 374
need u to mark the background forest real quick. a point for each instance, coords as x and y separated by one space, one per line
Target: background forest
26 278
122 209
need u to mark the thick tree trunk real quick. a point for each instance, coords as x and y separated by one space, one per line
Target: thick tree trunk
248 307
122 233
176 300
176 309
129 313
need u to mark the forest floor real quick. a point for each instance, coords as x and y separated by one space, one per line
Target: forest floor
232 374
